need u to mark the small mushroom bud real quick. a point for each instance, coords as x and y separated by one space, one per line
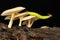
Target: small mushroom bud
45 27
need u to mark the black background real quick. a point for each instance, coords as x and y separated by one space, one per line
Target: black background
42 7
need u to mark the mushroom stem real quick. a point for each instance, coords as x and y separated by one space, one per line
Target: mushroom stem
29 23
32 22
20 20
11 20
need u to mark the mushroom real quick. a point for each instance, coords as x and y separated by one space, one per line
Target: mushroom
30 20
9 17
45 27
16 16
12 12
19 16
39 15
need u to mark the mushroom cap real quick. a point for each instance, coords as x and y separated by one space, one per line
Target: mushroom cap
45 27
28 18
22 14
17 16
13 10
9 17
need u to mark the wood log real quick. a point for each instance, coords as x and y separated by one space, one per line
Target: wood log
24 33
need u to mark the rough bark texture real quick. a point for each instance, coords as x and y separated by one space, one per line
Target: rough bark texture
24 33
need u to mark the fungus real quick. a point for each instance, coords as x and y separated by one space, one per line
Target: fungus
29 19
45 27
9 17
12 12
19 16
39 16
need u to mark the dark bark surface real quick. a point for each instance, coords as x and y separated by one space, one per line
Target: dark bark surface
24 33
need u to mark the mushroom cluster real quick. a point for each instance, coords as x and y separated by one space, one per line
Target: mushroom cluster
30 17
